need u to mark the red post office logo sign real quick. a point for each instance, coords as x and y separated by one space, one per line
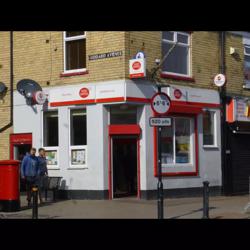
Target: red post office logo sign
137 68
136 65
177 94
84 92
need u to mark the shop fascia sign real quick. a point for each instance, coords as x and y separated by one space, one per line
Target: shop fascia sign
85 94
137 66
238 110
70 94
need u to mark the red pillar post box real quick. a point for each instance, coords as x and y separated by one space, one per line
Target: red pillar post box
9 186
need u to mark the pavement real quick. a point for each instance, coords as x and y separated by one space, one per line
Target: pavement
221 207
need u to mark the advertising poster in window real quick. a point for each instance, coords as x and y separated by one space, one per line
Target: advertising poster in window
51 157
78 157
182 140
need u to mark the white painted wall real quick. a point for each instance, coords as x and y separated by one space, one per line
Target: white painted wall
90 178
95 176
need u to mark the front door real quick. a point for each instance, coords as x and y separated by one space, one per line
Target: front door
20 145
124 166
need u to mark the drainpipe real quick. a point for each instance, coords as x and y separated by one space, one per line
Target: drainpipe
223 113
11 85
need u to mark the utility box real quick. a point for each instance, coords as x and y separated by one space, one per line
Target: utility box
9 186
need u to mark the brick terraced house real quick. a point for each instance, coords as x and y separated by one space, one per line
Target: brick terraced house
95 122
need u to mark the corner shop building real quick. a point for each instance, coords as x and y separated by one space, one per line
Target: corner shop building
98 138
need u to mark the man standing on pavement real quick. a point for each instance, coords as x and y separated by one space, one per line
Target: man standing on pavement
43 171
30 172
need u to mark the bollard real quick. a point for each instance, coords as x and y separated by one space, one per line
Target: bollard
205 200
35 202
160 201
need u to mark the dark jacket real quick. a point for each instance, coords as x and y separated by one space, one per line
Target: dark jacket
42 165
30 167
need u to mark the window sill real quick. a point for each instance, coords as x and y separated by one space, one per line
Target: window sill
76 73
53 168
171 166
210 147
177 77
77 168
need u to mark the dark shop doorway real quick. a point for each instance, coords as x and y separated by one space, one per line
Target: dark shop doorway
19 152
124 167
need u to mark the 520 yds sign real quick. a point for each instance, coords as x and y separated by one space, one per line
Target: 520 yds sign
159 122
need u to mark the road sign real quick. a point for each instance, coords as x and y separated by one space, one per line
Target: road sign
139 55
219 80
157 121
160 103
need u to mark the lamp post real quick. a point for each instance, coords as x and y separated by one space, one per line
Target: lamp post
160 192
160 195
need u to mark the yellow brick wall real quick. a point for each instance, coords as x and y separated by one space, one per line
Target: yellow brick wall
43 62
204 55
205 58
235 66
5 101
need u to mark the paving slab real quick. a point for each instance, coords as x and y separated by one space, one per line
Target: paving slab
221 207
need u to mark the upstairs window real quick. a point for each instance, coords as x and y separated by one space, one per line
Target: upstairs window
74 51
178 61
247 64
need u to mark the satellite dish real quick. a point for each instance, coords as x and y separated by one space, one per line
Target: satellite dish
26 86
3 88
30 89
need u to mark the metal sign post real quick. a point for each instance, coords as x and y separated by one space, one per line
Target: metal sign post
160 104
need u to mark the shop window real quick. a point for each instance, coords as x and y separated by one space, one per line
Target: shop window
178 61
74 51
123 114
50 137
50 129
209 128
78 137
247 64
177 142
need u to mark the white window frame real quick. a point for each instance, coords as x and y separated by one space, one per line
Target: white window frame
215 145
189 69
182 167
68 39
81 147
52 148
57 152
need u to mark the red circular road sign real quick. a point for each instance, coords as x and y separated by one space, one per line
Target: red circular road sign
84 92
160 103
